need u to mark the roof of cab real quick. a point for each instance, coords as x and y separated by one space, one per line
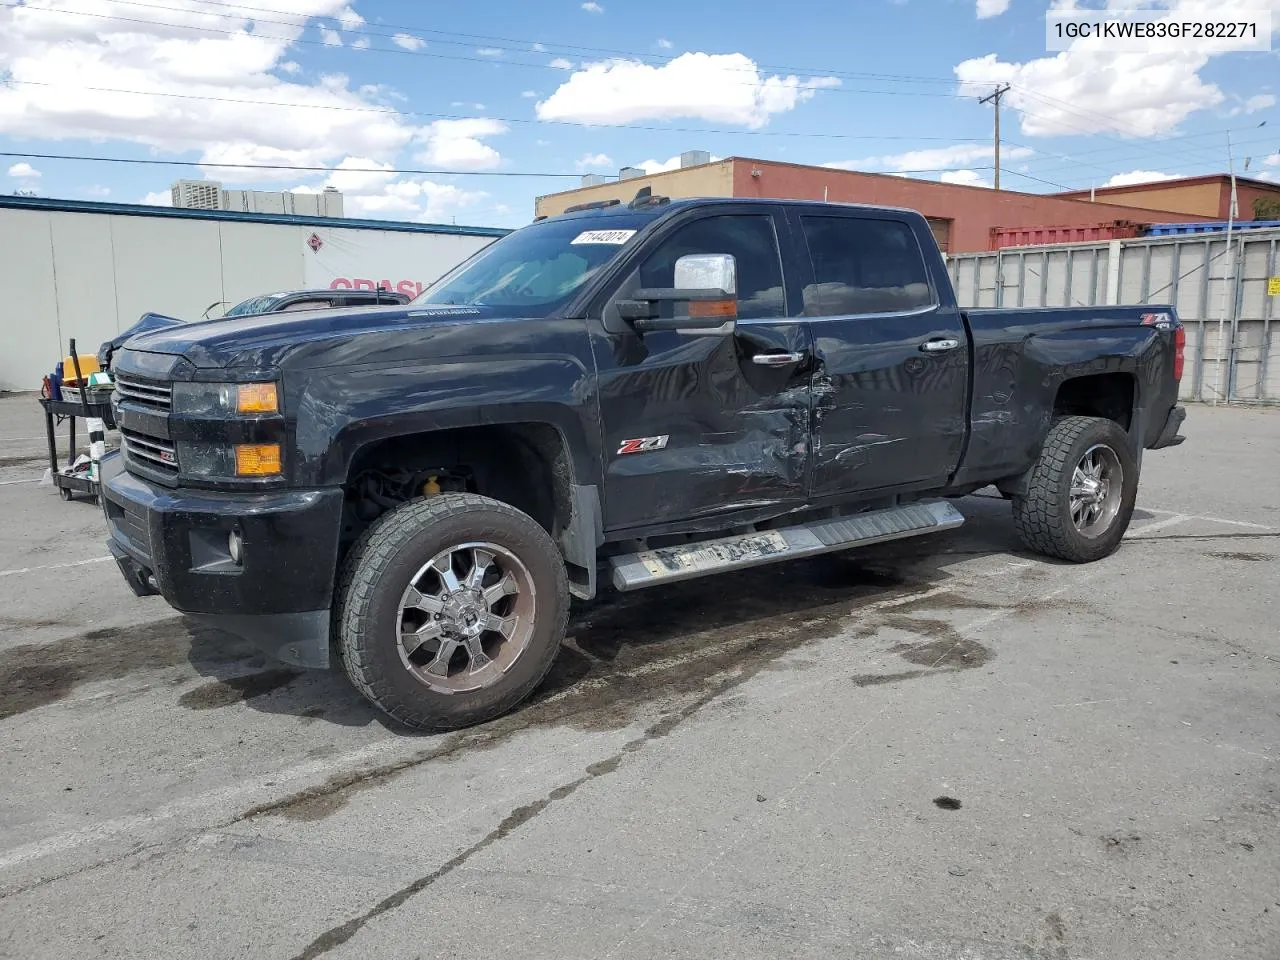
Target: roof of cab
664 205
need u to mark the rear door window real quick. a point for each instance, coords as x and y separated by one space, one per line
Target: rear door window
863 266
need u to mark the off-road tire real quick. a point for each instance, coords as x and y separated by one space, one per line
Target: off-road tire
375 574
1042 516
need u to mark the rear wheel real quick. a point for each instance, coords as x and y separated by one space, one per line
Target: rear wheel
451 610
1080 496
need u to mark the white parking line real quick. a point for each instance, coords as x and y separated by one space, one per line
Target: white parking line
1197 516
188 807
6 483
53 566
1158 525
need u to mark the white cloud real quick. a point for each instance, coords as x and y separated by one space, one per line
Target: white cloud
408 41
97 192
1090 89
934 158
361 44
595 160
24 171
529 94
158 198
660 166
355 175
966 178
151 51
1139 176
1273 160
413 199
560 63
1261 101
489 51
592 7
664 43
991 8
349 19
467 106
725 88
458 144
331 38
538 48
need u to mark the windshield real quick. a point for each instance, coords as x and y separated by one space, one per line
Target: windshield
253 305
537 269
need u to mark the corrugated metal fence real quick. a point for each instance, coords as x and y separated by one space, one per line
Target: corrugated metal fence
1220 294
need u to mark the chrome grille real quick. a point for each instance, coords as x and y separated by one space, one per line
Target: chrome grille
150 451
151 394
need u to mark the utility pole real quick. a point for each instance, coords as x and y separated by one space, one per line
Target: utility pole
994 98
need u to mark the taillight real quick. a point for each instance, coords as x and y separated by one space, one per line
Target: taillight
1179 350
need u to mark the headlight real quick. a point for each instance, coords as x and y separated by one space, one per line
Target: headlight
229 461
225 399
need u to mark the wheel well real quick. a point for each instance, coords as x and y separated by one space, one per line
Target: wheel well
526 465
1106 395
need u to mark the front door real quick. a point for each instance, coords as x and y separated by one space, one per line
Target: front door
890 384
697 425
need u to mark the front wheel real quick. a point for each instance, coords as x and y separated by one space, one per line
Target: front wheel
1080 496
451 610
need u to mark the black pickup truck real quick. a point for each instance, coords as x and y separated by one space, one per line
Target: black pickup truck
641 392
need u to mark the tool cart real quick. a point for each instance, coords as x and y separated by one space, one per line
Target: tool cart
76 402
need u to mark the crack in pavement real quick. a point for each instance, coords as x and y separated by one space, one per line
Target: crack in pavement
336 936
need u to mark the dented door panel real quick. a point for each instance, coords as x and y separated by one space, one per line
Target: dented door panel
890 386
723 433
886 413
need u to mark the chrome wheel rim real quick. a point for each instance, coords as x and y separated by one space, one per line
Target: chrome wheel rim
1097 485
466 617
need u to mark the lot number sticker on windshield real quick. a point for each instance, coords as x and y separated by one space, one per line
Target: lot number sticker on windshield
604 236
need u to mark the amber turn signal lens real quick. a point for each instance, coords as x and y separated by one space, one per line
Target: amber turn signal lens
257 459
728 309
257 398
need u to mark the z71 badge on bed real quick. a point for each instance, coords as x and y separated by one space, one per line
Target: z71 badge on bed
644 444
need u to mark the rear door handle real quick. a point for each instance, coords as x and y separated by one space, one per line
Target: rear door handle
939 344
777 359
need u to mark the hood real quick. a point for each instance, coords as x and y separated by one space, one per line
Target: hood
263 340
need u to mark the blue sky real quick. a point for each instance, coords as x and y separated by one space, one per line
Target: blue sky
495 90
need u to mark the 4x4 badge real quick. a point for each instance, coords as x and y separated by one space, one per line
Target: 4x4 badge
644 444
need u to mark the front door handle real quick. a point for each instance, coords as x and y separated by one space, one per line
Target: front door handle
776 359
939 344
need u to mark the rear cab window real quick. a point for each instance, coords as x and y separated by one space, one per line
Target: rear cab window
863 265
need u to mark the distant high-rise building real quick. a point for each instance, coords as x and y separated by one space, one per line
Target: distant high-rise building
209 195
197 194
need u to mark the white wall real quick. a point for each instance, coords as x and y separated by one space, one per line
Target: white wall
91 275
1212 291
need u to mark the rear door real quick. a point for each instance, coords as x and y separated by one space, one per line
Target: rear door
891 376
694 424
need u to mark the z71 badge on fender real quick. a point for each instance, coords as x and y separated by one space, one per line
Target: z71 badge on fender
644 444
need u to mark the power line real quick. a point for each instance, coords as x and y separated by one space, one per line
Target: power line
284 166
389 111
213 164
548 47
1145 154
388 50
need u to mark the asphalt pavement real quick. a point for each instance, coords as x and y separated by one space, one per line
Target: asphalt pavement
941 749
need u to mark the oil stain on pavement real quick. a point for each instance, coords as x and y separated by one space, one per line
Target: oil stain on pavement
34 675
